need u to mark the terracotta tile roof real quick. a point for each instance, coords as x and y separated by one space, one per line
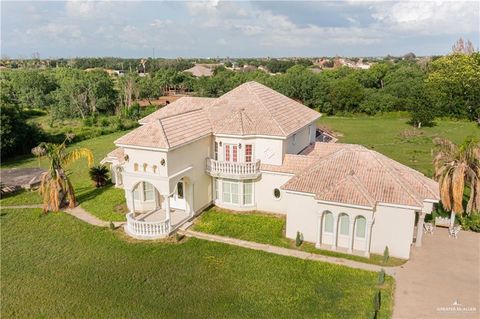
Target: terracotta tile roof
292 164
199 70
249 109
182 105
117 155
169 131
353 174
263 112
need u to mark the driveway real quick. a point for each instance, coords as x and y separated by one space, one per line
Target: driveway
442 278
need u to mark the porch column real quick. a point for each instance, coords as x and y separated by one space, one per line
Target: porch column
350 231
191 210
335 221
319 229
368 231
421 220
132 198
166 200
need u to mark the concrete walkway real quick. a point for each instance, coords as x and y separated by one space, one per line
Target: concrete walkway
286 251
441 279
77 212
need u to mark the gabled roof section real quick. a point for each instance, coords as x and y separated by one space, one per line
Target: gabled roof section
353 174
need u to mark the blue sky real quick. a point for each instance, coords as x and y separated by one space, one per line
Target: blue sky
235 29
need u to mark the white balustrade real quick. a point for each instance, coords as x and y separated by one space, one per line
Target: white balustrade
140 228
233 169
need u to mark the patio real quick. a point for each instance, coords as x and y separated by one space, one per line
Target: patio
442 278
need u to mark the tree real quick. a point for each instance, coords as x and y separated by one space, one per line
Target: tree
453 85
55 184
32 88
129 90
345 95
99 175
458 167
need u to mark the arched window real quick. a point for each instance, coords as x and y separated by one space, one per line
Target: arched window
360 227
343 224
328 222
135 167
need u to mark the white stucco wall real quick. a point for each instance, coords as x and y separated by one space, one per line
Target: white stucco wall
303 137
267 150
393 227
264 186
194 154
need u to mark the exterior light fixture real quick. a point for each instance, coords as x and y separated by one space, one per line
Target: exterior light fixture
239 145
162 162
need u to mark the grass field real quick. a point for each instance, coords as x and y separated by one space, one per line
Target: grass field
56 266
384 134
268 229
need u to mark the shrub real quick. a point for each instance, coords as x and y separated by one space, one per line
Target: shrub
112 226
299 239
104 122
470 222
376 304
386 255
381 277
88 121
99 175
179 237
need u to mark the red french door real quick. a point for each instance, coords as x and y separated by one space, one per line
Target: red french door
231 153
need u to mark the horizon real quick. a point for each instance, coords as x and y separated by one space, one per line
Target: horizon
246 29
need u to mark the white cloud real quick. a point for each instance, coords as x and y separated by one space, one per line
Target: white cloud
429 17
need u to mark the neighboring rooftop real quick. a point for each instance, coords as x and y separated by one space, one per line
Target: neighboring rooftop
199 70
353 174
249 109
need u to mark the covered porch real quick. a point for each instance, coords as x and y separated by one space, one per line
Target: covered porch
155 215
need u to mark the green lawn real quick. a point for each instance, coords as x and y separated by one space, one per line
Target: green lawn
384 134
268 229
100 202
56 266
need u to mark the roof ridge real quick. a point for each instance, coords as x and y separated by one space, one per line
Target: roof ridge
389 171
164 134
363 189
178 114
263 104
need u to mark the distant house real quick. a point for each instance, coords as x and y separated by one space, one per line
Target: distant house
200 70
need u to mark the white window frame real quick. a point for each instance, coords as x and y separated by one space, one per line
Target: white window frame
325 223
227 194
364 227
346 226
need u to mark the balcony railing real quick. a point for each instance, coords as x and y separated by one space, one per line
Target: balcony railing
147 230
235 170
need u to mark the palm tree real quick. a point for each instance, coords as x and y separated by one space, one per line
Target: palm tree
456 167
99 175
55 184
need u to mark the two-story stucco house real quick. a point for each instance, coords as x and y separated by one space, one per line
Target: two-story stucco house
255 149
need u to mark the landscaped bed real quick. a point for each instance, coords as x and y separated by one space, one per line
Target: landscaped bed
58 266
268 229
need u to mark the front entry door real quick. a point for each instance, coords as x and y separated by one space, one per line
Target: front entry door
177 200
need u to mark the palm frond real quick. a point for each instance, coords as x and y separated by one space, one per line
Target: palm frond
76 154
458 187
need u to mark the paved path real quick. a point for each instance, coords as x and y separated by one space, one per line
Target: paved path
77 212
286 251
442 271
85 216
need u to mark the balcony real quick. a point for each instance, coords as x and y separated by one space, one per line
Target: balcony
233 170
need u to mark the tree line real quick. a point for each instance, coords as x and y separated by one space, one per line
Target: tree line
447 86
